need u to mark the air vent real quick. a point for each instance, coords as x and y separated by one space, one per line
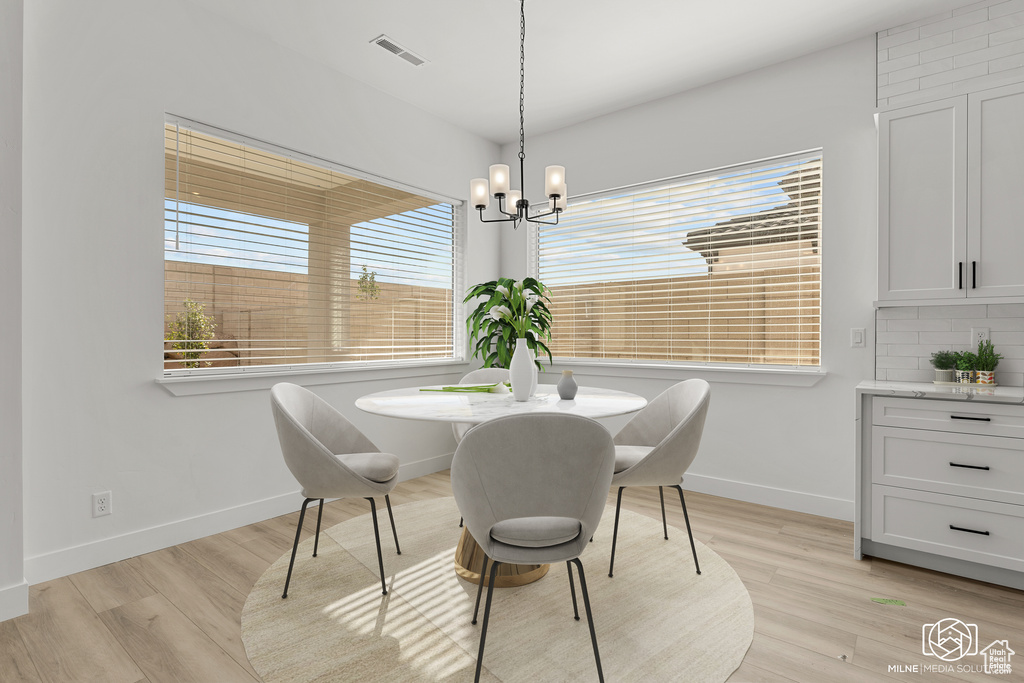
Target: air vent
396 49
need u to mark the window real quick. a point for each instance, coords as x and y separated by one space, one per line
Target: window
296 261
721 267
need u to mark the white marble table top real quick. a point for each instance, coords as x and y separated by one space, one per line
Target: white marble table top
966 392
474 408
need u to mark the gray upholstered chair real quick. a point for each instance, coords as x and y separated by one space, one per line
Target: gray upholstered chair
480 376
532 489
330 458
656 447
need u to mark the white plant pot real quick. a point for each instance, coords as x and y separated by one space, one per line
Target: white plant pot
944 375
521 371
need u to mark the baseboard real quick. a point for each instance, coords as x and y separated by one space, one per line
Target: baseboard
104 551
13 601
798 501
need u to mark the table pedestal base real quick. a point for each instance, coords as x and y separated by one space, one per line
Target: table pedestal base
469 560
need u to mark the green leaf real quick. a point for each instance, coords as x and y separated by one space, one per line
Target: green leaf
889 601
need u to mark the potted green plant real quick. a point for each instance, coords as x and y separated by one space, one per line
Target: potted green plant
944 363
508 310
965 362
987 360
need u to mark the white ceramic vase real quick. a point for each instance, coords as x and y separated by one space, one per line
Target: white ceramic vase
567 386
521 371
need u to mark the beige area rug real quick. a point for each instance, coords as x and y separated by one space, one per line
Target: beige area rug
656 620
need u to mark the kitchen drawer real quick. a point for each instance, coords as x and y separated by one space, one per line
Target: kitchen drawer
964 417
950 526
988 467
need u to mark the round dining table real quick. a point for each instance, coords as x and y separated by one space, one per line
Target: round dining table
433 403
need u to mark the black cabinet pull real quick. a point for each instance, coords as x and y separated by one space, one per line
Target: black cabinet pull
960 275
970 467
970 531
968 417
974 274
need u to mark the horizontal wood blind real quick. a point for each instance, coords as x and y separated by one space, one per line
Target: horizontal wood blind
298 263
720 267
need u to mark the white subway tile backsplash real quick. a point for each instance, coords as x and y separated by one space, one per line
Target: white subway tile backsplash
973 6
880 375
1011 62
896 313
991 81
944 337
961 74
954 49
897 337
901 38
928 95
1004 8
989 53
901 362
881 326
899 88
923 45
1000 338
1011 364
966 311
993 324
920 22
920 70
909 375
968 32
1006 310
1010 379
976 16
1000 37
920 325
901 63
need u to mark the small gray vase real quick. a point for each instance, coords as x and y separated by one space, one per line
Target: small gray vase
567 386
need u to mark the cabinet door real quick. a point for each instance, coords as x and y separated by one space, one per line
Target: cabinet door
996 192
922 201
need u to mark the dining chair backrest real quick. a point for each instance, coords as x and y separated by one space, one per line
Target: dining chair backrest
541 465
671 424
311 432
485 376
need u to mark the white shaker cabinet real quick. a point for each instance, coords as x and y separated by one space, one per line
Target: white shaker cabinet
995 197
951 198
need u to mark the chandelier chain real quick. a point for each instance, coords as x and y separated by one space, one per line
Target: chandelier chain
522 81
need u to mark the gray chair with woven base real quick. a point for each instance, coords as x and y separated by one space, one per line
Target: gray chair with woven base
330 458
657 445
532 489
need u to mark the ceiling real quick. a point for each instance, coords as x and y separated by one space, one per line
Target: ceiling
584 58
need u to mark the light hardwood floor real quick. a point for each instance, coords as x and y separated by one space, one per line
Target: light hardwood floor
173 615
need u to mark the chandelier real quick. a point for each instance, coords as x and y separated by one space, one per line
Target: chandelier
512 205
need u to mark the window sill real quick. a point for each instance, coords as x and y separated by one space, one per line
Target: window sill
777 376
257 379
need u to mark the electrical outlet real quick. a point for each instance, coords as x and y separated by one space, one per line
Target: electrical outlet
101 504
978 335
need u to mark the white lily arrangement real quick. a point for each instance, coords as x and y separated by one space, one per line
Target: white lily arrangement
510 310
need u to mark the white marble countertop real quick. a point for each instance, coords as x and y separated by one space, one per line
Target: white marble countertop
474 408
997 394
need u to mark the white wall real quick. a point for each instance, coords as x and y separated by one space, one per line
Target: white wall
786 446
13 588
99 77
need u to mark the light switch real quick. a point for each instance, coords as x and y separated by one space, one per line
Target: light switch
857 337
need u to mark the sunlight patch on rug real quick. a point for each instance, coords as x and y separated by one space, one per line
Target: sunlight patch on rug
655 620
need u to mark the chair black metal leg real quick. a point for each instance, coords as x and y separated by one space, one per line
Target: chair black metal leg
693 548
664 523
387 499
590 618
376 537
572 589
295 545
460 522
319 517
615 531
479 589
487 614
